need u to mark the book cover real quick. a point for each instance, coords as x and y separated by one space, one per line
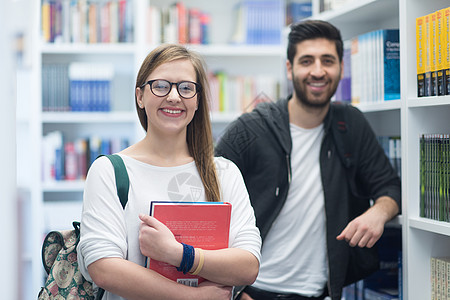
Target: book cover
391 62
440 49
420 43
446 55
427 38
203 225
433 52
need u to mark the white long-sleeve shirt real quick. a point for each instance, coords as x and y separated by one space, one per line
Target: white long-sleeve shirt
107 230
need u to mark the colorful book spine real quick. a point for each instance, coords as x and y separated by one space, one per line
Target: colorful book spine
446 52
391 63
420 56
72 21
440 44
427 37
433 53
64 159
440 278
435 176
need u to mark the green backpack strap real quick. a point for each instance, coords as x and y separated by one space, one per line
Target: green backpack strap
123 185
122 180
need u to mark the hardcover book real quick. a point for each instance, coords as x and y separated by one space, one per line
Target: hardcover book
204 225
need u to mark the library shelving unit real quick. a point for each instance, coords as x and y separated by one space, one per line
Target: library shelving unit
47 205
408 117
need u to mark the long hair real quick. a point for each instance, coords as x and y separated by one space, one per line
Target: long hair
199 133
313 29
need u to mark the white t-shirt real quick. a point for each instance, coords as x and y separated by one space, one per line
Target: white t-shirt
293 256
110 231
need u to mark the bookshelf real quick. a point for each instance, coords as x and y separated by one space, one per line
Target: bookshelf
409 117
53 204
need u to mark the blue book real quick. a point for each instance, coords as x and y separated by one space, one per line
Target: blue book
391 64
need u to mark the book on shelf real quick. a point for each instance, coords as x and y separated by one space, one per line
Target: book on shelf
434 177
440 278
177 23
64 159
392 148
420 55
259 22
375 66
204 225
241 93
432 53
90 86
65 21
343 92
298 10
446 44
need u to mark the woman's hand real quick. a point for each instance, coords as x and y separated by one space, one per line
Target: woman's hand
158 242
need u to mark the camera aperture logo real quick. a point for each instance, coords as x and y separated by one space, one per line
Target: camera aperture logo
185 186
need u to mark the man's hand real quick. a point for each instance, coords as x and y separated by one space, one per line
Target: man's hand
366 229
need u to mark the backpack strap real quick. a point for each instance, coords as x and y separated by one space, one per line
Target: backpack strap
122 180
341 133
123 186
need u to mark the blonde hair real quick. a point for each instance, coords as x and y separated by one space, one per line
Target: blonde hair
199 134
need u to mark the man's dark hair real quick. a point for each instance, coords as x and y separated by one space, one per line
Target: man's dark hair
313 29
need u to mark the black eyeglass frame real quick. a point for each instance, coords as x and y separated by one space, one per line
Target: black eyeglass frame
198 87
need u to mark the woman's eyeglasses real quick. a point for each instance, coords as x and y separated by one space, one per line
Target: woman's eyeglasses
161 88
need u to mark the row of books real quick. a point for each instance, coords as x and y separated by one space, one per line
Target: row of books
259 22
435 176
386 283
432 53
77 87
177 24
87 21
392 147
440 278
70 160
241 93
375 66
297 10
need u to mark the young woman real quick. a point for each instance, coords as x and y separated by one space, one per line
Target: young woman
172 103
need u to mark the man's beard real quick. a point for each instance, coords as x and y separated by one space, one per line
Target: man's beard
304 99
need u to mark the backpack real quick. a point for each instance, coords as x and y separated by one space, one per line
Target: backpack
59 252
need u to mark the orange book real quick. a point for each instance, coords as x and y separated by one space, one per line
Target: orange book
203 225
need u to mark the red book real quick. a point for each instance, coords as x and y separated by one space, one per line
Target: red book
203 225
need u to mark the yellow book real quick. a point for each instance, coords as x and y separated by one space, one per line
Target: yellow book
446 53
420 52
440 84
45 21
433 62
426 36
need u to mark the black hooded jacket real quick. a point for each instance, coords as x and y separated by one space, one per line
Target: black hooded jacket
354 169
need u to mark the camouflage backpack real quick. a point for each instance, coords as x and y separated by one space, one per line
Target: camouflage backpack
59 252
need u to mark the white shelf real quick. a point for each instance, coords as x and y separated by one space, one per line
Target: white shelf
429 225
118 48
239 50
380 106
429 101
362 16
63 186
89 117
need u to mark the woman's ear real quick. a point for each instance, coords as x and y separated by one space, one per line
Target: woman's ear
139 95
